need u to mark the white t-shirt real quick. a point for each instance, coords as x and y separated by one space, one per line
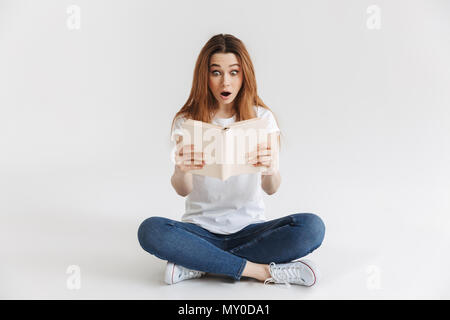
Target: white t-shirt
225 207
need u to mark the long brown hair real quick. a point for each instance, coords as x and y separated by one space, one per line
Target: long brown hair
201 103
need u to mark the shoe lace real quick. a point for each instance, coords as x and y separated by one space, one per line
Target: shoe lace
283 274
191 273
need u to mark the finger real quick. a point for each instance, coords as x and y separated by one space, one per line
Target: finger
265 159
262 164
193 154
263 145
198 162
188 163
195 166
197 156
252 160
267 154
258 164
191 162
264 152
188 148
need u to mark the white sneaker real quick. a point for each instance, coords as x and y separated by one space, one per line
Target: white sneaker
176 273
302 272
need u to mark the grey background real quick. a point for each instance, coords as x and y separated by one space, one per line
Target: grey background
85 116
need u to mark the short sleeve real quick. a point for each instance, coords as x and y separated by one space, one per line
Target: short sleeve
265 113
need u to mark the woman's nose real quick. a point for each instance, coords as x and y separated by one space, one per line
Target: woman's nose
226 79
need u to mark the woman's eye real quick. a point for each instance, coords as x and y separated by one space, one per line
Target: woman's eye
218 72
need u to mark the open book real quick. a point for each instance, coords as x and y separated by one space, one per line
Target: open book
224 148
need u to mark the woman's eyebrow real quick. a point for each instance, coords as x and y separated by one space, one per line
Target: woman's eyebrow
218 65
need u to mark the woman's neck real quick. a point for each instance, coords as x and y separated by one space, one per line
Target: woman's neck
224 111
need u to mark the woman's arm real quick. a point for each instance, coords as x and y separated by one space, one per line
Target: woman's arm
185 159
267 155
270 183
182 182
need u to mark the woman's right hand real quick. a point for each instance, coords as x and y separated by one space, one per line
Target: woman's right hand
186 159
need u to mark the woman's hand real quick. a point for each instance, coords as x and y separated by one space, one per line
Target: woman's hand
262 157
186 159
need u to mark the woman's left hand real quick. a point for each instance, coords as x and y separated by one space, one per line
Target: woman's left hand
262 157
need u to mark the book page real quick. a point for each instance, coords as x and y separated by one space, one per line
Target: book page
225 148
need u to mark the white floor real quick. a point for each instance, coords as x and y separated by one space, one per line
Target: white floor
37 252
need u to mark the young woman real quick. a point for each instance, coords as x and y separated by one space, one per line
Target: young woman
224 230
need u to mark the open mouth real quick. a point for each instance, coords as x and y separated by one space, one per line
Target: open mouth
225 93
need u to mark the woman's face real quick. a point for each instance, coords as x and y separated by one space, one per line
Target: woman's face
225 75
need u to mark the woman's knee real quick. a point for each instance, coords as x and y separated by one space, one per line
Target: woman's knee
312 224
151 233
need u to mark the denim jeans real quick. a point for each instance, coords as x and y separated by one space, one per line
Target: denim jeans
280 240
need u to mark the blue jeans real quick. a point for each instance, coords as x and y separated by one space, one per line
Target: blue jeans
189 245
